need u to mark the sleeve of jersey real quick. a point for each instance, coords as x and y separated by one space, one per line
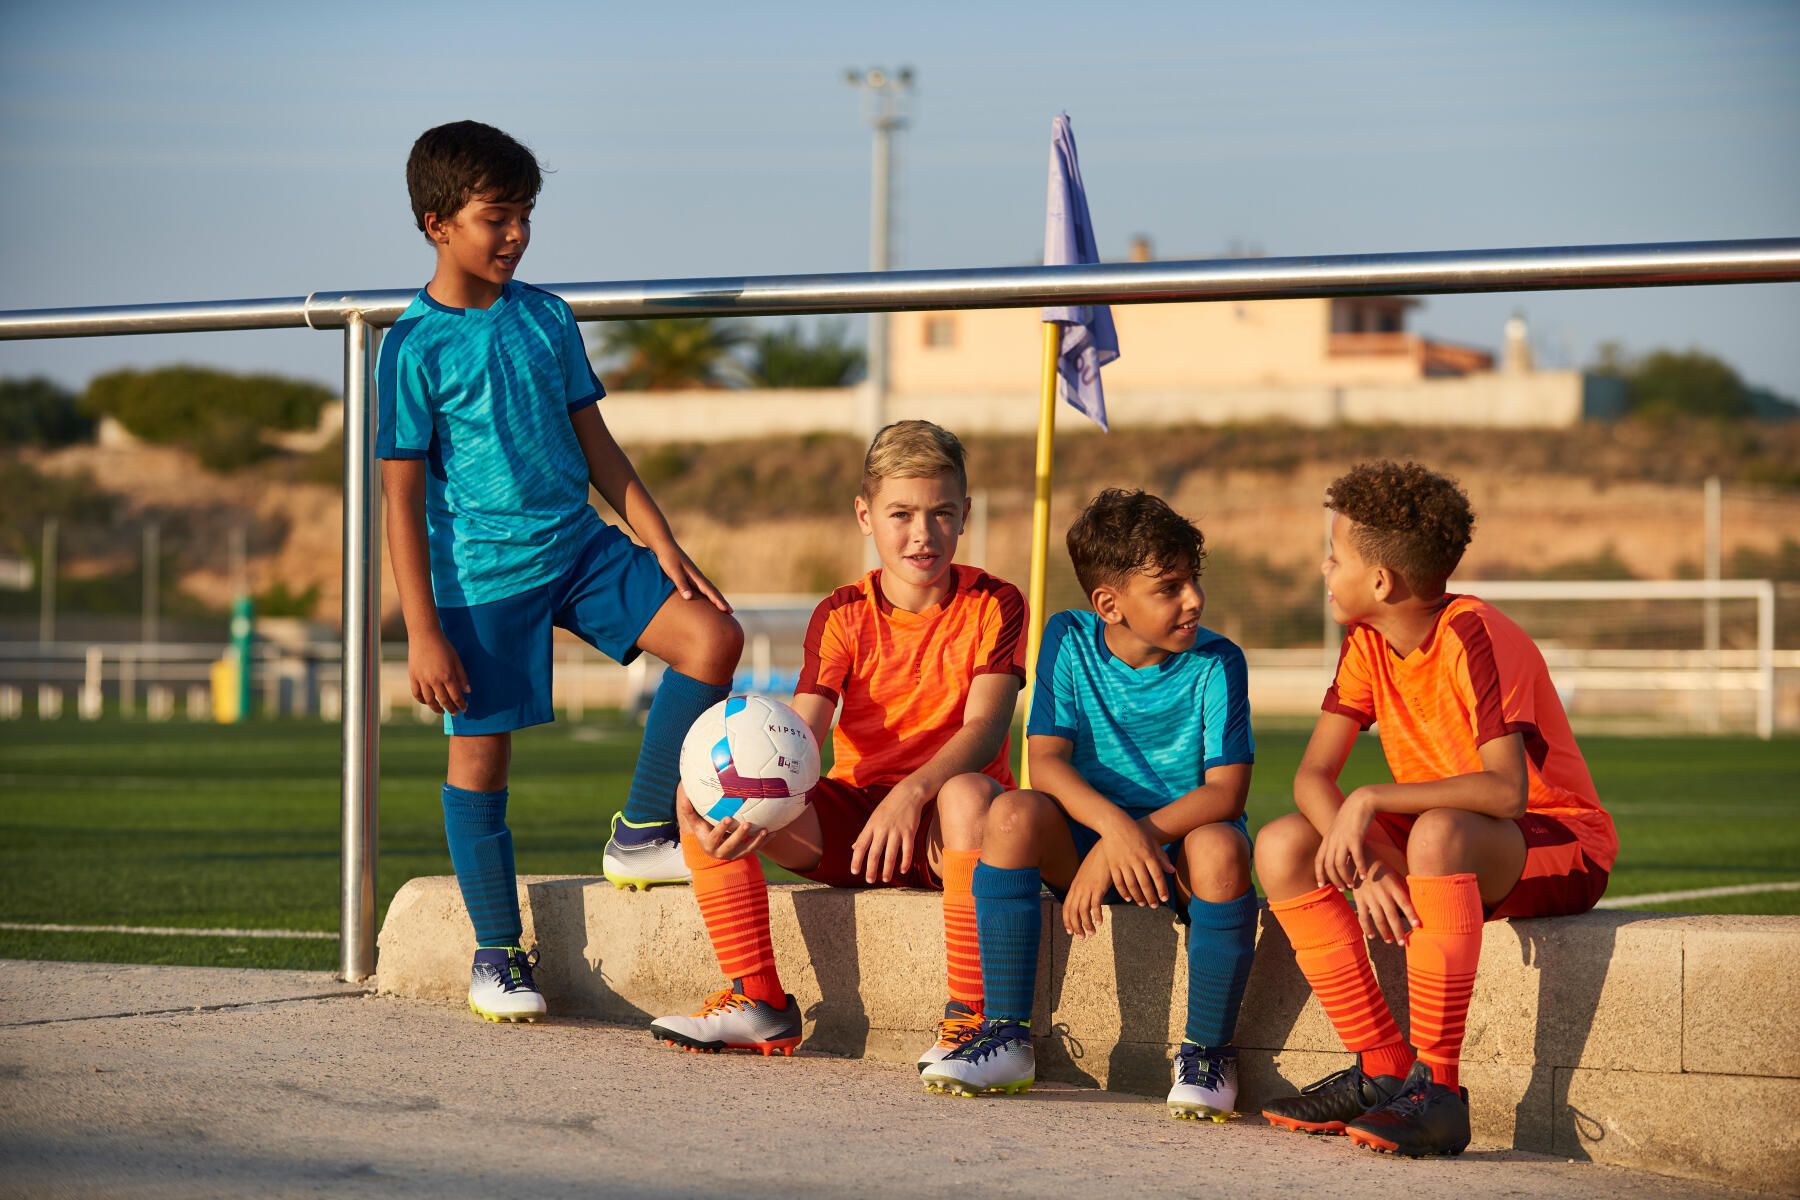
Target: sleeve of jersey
826 662
1351 693
1494 684
1225 718
1053 695
578 373
1002 648
403 426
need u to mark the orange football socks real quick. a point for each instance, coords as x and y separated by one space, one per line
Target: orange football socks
1441 956
962 947
734 903
1329 948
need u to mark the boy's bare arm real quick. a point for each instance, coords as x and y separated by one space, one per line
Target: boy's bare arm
1316 791
617 480
1220 798
432 666
1129 856
886 842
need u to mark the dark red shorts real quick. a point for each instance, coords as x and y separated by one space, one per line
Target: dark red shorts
1559 879
843 811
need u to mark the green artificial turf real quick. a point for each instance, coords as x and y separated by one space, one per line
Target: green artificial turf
120 822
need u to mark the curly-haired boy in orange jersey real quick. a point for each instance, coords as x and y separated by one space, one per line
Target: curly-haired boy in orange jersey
1492 813
926 658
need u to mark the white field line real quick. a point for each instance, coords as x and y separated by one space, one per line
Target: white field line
1737 889
309 934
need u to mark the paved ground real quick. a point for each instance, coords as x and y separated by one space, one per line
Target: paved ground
166 1081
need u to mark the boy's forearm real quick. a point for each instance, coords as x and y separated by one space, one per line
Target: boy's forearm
1209 804
1078 798
969 750
617 481
1484 792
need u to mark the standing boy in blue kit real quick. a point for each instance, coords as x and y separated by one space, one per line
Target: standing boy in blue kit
1139 737
489 437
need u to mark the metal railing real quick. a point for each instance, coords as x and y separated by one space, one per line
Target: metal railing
1662 264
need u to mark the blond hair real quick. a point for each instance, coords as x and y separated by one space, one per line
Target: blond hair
913 450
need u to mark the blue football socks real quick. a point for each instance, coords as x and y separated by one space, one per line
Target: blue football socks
481 850
1009 918
651 802
1221 944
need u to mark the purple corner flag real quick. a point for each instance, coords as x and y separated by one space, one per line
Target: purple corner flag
1089 340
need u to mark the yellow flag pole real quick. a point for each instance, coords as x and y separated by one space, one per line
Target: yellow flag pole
1040 524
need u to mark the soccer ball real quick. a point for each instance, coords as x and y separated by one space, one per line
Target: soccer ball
750 758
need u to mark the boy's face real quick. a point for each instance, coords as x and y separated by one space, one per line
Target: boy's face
1353 586
485 238
915 523
1160 607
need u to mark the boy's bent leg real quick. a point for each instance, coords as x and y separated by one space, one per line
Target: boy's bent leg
962 806
753 1012
1331 953
1024 831
1221 942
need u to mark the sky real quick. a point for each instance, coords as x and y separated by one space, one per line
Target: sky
198 151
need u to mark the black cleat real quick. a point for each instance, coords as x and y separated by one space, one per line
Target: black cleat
1423 1118
1332 1102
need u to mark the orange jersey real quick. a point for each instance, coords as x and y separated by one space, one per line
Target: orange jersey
1477 677
904 677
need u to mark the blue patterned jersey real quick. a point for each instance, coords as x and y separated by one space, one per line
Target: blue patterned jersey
484 397
1143 737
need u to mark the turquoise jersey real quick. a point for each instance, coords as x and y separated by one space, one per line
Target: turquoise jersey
484 396
1142 737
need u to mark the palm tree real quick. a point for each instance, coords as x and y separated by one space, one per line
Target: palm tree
665 353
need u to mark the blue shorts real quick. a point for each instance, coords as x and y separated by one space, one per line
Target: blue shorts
606 599
1085 841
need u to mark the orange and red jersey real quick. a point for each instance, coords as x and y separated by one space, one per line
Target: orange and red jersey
904 677
1478 676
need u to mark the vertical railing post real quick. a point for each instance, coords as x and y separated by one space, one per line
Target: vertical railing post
361 663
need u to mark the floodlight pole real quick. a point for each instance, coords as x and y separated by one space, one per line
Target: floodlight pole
884 94
361 662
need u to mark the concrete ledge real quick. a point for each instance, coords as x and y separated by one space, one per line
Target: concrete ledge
1661 1042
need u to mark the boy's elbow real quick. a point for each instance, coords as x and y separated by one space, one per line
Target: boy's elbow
1517 800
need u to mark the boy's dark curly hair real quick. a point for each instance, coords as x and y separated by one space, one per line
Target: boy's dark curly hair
1411 520
1122 533
451 164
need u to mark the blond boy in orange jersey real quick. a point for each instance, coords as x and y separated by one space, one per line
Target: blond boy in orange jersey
926 658
1492 812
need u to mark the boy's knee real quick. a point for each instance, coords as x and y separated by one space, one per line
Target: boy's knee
1218 862
1442 842
1015 815
963 807
1284 843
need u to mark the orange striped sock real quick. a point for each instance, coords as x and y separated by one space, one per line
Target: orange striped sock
1441 956
962 948
1329 948
734 903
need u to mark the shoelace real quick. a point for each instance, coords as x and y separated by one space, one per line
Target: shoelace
991 1042
956 1031
1350 1076
723 1000
1191 1063
1410 1103
517 975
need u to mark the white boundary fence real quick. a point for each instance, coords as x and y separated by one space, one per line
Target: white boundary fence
358 314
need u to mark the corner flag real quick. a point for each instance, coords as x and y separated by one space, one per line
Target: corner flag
1089 340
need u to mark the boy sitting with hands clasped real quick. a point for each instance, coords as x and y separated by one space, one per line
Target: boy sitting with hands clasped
1141 752
927 658
1492 813
489 435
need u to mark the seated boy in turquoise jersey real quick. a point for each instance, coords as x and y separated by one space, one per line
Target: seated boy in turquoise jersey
1140 748
489 435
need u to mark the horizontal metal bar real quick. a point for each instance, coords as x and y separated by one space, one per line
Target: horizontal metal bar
1550 268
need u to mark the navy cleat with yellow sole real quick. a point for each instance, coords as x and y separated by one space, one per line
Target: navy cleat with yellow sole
501 987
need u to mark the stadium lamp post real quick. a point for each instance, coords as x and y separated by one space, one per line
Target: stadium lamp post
883 100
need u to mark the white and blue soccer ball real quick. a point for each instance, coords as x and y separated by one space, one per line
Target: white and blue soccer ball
750 758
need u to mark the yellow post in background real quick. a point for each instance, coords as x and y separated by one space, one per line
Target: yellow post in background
1040 524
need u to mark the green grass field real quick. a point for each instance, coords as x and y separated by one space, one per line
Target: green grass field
211 827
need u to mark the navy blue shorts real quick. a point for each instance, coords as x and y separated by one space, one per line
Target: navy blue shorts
606 599
1085 841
